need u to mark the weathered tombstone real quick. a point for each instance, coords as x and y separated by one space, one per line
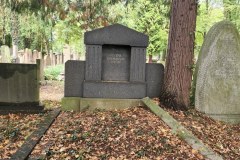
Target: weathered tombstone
115 67
30 54
52 58
75 56
61 58
21 56
26 57
47 60
19 86
67 53
55 59
40 55
5 56
218 74
41 69
35 55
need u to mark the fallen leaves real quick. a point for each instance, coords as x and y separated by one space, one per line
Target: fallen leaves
14 129
221 137
129 134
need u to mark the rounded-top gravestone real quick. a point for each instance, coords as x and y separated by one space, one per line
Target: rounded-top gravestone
218 74
5 56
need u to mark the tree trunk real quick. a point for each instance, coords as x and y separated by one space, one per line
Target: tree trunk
149 58
207 11
4 30
178 70
14 29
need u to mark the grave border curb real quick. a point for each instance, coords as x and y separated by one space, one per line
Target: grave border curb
25 150
182 132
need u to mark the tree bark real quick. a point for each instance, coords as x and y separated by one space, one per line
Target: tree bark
14 29
178 69
149 58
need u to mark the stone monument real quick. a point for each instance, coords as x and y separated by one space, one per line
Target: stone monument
19 86
218 74
115 67
5 56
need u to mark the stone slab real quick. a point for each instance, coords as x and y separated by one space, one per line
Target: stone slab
154 79
19 83
74 77
181 131
5 56
70 104
91 104
28 108
116 34
116 63
121 90
40 64
218 73
229 118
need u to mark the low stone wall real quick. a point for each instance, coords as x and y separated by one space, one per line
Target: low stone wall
19 86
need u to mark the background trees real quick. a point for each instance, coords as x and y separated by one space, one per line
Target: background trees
49 24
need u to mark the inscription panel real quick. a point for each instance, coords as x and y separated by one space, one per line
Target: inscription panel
116 63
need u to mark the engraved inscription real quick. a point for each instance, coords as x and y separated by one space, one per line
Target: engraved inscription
227 67
116 63
115 58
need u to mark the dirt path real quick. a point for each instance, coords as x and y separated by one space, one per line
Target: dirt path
52 90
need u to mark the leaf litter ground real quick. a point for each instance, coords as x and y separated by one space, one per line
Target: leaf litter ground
14 129
223 138
129 134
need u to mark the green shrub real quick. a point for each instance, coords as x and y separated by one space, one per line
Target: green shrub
52 72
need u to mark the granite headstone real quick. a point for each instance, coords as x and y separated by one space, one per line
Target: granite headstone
115 66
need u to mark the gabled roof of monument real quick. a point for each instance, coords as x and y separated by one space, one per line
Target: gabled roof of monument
116 34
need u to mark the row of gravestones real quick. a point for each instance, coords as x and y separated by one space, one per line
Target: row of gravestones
115 68
29 56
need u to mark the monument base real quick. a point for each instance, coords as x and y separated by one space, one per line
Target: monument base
26 107
228 118
82 104
115 90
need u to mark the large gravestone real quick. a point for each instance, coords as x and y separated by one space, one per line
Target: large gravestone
19 86
115 63
115 67
218 74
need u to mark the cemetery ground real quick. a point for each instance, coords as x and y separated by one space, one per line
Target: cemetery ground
129 134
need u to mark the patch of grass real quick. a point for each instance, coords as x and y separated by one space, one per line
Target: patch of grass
52 72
